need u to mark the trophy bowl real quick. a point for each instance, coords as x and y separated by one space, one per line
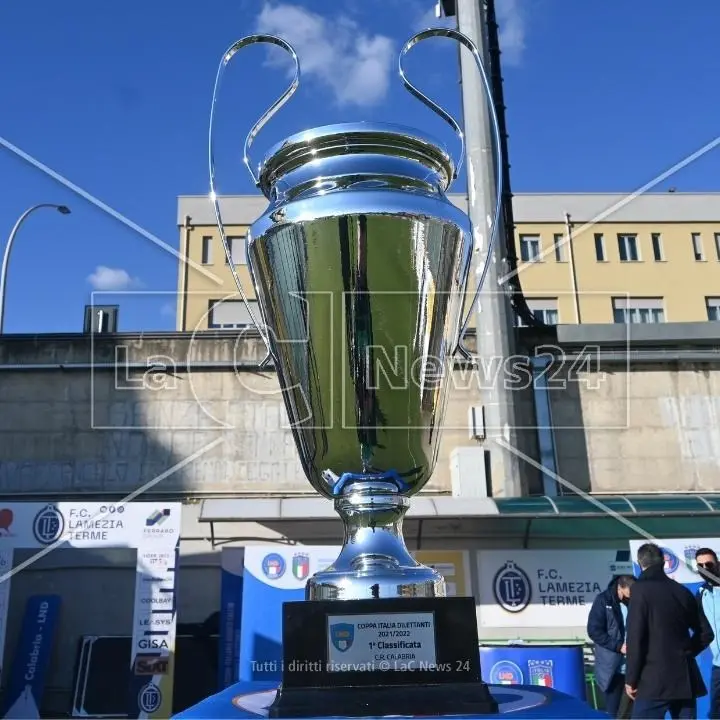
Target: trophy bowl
359 264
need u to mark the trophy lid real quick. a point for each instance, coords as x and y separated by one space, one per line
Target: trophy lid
354 138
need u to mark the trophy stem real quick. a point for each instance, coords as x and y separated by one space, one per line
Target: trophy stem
374 561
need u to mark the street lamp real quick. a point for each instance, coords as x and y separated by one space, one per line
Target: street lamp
62 209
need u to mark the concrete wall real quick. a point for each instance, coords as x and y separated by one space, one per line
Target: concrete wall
82 415
636 408
649 430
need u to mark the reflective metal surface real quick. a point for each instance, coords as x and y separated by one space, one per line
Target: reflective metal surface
228 55
360 266
374 562
492 230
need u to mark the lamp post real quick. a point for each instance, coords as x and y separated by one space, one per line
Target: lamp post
62 209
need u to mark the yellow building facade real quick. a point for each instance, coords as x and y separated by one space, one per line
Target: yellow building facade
582 258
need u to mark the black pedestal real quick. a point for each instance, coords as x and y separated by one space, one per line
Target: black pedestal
406 656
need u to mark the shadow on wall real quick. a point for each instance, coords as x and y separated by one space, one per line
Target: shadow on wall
108 415
556 422
567 431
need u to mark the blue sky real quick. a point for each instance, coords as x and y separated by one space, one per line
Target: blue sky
602 96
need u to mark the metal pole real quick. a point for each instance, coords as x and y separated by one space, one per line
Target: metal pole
63 209
573 269
495 332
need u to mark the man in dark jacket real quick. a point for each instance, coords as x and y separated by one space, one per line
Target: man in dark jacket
665 632
709 598
606 628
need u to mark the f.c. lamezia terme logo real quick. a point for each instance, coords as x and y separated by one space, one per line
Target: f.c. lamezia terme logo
512 588
49 525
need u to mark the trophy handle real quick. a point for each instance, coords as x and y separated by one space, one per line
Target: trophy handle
493 228
259 125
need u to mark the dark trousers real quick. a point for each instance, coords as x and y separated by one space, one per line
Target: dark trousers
625 711
657 709
715 693
614 694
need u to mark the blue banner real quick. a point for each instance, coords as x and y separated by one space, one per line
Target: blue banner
560 667
231 593
273 576
31 662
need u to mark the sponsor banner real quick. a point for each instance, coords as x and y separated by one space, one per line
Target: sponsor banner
272 576
453 565
543 588
87 525
680 566
152 528
153 638
23 696
231 591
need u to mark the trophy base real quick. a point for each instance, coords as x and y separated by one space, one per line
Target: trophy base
408 700
365 658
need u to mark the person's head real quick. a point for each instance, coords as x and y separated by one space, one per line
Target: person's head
707 564
623 585
649 555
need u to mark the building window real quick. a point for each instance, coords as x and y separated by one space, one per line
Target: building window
530 248
228 314
237 250
599 247
544 309
717 245
657 247
697 247
206 250
628 248
638 310
713 308
560 247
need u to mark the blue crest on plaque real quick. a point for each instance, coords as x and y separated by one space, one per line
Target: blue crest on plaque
689 553
49 525
541 673
512 588
505 672
342 636
671 561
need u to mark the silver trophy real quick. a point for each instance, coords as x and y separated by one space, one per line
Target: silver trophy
360 265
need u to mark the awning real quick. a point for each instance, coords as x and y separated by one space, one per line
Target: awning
318 508
592 517
602 505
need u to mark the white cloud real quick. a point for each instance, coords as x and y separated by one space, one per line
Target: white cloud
511 21
105 278
168 309
428 19
353 65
